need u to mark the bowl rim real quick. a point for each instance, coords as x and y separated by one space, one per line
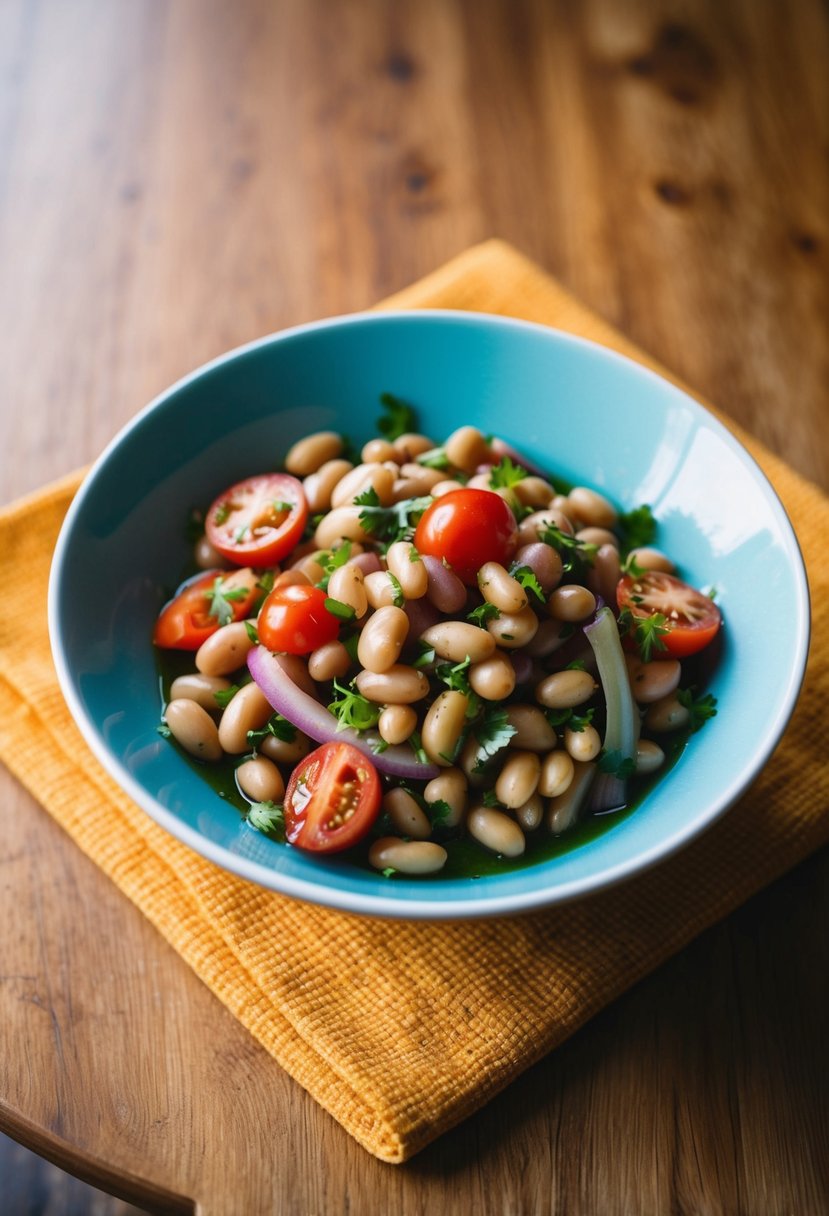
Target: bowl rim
539 896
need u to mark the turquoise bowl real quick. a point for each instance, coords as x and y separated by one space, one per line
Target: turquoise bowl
586 413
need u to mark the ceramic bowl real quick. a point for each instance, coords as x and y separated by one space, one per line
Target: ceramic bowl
588 414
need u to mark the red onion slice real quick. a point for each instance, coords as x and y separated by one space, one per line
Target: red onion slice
319 723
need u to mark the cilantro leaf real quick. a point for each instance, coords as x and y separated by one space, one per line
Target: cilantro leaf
529 581
221 598
353 709
492 732
637 527
399 417
267 818
614 762
224 696
483 613
576 555
490 799
368 498
506 474
438 811
398 598
700 709
277 726
396 522
426 657
648 632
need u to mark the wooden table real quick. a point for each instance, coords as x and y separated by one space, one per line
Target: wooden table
178 178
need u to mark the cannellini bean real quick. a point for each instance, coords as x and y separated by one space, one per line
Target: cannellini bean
249 710
458 640
285 751
309 565
292 578
493 678
544 561
342 523
518 779
584 744
399 685
466 448
654 680
407 487
404 562
199 688
496 831
557 770
396 723
566 689
649 756
383 638
406 816
309 454
363 476
380 590
191 726
319 486
329 661
534 492
347 584
421 473
513 630
410 445
224 651
377 450
478 776
593 508
450 787
652 559
481 481
565 808
529 815
531 528
442 726
597 536
206 556
446 487
532 730
666 715
500 588
407 856
571 602
445 590
260 780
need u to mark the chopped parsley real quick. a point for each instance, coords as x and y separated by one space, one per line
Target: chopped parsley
352 709
426 656
637 528
701 709
435 458
490 799
576 555
267 818
483 613
492 732
506 474
398 418
438 812
388 524
332 561
529 581
277 726
221 514
389 870
614 762
398 598
648 632
222 598
223 696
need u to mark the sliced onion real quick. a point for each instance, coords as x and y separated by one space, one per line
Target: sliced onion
319 723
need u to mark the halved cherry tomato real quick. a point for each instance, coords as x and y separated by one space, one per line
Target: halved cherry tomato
691 618
468 528
194 612
295 620
332 800
257 521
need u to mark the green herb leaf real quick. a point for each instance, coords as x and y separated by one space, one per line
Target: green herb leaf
615 762
250 629
398 419
396 522
343 612
277 726
352 709
701 709
529 581
506 474
490 798
438 811
164 730
649 633
577 722
631 566
332 561
576 555
224 696
368 498
267 818
483 613
492 732
416 745
221 514
398 598
426 657
637 528
435 458
221 597
389 870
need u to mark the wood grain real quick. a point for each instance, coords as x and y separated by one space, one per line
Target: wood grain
177 179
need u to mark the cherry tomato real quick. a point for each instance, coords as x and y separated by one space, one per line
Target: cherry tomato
257 521
691 618
332 800
196 610
468 528
295 620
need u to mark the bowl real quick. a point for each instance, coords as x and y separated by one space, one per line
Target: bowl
588 414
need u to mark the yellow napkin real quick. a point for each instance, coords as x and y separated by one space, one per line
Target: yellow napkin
401 1030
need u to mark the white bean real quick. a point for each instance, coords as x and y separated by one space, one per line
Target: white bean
285 751
500 588
466 448
407 856
518 779
396 723
382 639
593 508
380 590
400 685
652 559
192 727
224 651
249 710
565 689
347 584
529 815
199 688
496 831
406 816
458 640
377 450
654 680
584 744
666 715
329 661
450 787
557 770
512 630
532 730
309 454
260 780
571 602
649 756
404 563
493 678
343 523
319 486
442 726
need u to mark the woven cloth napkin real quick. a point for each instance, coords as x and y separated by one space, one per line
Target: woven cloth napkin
402 1030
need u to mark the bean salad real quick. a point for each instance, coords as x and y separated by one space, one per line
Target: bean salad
422 650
